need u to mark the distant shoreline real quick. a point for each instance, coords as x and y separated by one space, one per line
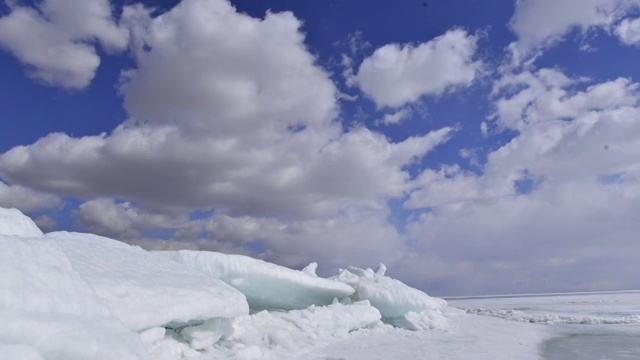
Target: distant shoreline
506 296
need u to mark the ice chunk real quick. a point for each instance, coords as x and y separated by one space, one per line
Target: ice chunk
13 222
142 289
268 333
266 285
46 305
392 297
203 336
311 269
425 320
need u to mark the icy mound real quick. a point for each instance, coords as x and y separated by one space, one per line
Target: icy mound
266 285
269 335
48 311
13 222
143 290
392 297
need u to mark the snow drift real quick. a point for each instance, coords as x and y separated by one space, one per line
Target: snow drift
68 296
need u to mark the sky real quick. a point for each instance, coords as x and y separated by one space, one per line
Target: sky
474 147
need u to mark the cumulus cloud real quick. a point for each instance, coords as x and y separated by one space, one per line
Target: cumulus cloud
231 115
396 117
628 31
576 147
539 24
395 74
55 40
122 220
26 200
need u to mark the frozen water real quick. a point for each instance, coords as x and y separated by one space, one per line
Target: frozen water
392 297
266 285
593 347
143 290
47 307
13 222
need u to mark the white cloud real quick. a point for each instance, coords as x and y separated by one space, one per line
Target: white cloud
540 24
122 220
230 114
55 40
26 200
628 31
395 117
576 145
562 237
395 75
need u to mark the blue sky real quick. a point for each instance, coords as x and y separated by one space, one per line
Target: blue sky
474 147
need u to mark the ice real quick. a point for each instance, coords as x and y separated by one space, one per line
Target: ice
266 285
49 308
143 290
272 335
392 297
13 222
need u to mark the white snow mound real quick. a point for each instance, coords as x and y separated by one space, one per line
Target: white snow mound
392 297
266 285
144 290
48 311
13 222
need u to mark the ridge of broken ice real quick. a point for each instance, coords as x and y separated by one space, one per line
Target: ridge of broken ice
266 285
79 296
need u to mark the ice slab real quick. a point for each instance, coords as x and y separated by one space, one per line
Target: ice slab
266 285
49 309
392 297
142 289
13 222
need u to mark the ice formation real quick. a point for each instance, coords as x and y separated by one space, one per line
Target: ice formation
392 297
145 291
13 222
48 308
71 296
266 285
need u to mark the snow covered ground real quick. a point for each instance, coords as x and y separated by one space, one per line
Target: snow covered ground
69 296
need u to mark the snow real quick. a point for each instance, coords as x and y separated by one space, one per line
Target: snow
266 285
49 309
143 290
13 222
71 296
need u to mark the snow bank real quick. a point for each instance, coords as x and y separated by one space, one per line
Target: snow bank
392 297
144 290
50 310
266 285
13 222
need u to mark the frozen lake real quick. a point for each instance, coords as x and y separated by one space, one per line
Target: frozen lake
582 326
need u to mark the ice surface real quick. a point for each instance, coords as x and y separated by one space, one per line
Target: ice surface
49 308
392 297
266 285
143 290
13 222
